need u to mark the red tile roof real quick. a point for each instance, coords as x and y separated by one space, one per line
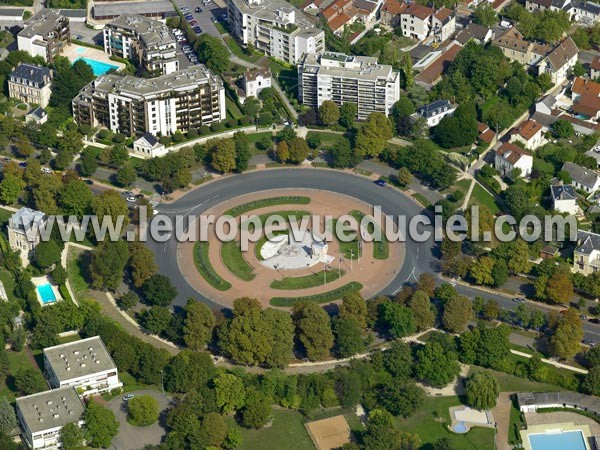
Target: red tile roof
420 11
595 63
588 102
511 152
394 7
527 129
435 70
443 13
335 8
338 22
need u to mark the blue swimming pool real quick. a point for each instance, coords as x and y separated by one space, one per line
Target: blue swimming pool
46 293
571 440
98 67
460 427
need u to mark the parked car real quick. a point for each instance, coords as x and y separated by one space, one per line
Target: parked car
198 9
381 183
184 9
193 23
127 194
197 30
594 320
131 199
23 164
189 16
88 182
519 300
588 342
128 397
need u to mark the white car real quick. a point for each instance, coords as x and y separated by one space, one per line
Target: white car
131 199
46 170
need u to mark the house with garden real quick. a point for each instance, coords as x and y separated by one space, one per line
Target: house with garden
513 161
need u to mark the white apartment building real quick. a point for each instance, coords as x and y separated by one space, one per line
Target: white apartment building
348 79
133 106
43 415
30 84
420 22
276 28
24 231
148 43
45 34
85 365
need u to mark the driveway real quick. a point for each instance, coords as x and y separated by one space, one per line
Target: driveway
133 438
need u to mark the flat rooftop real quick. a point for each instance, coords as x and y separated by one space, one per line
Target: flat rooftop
41 24
267 10
151 32
79 358
117 8
50 409
363 67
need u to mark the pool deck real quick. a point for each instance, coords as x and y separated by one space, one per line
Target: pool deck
555 428
41 281
470 418
74 52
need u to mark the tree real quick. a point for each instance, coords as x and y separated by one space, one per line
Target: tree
559 288
348 113
230 392
518 258
242 151
88 163
566 341
212 431
118 156
108 264
354 307
141 263
256 413
562 129
223 155
128 300
382 434
404 176
422 310
591 381
213 53
401 398
313 330
189 371
398 319
8 419
75 198
158 290
485 15
372 136
10 188
404 107
101 425
156 319
47 253
111 204
283 151
500 273
342 155
435 365
491 310
398 360
329 113
482 390
443 444
143 410
459 129
198 326
407 70
481 270
298 150
29 381
457 313
348 336
72 437
126 175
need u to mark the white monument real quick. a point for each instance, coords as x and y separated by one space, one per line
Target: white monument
287 251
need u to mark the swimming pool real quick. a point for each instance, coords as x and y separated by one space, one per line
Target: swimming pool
571 440
98 67
460 427
46 293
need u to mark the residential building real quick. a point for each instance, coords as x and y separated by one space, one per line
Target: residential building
541 5
74 15
133 106
255 80
390 12
564 199
586 98
24 230
148 146
582 178
585 12
546 105
559 61
476 33
30 84
486 134
432 74
436 111
510 157
348 79
516 48
420 22
45 34
160 9
148 43
530 133
274 27
586 256
84 365
43 415
595 68
10 16
37 115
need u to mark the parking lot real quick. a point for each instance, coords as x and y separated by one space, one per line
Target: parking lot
203 17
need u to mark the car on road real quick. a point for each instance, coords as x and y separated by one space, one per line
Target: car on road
88 182
197 30
23 164
6 159
588 342
128 397
131 199
518 300
198 9
184 9
594 320
189 16
127 194
381 183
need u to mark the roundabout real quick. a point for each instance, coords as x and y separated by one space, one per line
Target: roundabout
325 188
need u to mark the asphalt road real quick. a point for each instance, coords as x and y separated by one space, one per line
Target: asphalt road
420 256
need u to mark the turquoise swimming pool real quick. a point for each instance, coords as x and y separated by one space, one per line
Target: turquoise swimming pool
98 67
571 440
46 293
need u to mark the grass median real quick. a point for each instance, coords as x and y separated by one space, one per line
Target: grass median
206 269
308 281
265 202
381 249
233 259
323 297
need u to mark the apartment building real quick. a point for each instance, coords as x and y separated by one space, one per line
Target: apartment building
45 34
133 106
146 42
43 415
348 79
30 84
586 257
516 48
421 22
85 365
276 28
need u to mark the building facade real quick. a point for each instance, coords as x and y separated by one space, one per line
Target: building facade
30 84
529 133
84 365
361 80
586 257
148 43
582 178
274 27
24 230
434 112
510 157
564 199
45 34
559 61
148 146
43 415
255 81
420 22
133 106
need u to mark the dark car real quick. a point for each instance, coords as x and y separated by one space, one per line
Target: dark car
22 164
89 182
188 16
197 30
594 320
381 183
198 10
193 23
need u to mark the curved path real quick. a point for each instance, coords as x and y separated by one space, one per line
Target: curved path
418 256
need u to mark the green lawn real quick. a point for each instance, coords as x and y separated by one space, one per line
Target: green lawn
327 139
16 361
351 249
323 297
421 199
307 281
8 280
381 248
233 258
265 202
5 215
481 197
510 383
206 269
430 423
464 184
232 109
222 27
253 139
77 261
239 51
